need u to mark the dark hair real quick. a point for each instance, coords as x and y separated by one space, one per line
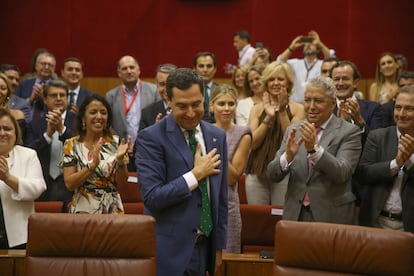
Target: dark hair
355 75
403 60
205 54
183 78
74 59
243 34
55 83
4 112
7 67
406 75
82 110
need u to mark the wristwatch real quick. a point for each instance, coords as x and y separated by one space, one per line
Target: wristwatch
316 147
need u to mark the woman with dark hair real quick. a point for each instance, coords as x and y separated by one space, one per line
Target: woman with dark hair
94 162
21 182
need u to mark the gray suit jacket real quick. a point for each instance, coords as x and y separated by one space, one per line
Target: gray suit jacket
148 94
329 182
374 173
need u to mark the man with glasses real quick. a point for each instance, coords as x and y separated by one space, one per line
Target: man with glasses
32 89
320 153
47 134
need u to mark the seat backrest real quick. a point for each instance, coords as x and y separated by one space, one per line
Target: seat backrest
258 224
309 248
83 244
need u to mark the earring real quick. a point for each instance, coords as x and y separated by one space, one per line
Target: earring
83 125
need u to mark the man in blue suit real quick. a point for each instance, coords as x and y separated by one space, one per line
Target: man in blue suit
366 114
47 134
72 74
172 181
13 73
32 89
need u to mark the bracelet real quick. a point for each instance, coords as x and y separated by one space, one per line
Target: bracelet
267 121
290 49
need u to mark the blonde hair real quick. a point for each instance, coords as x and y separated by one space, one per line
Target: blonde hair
5 104
379 76
224 89
274 67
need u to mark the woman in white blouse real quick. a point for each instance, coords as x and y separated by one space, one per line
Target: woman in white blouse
21 182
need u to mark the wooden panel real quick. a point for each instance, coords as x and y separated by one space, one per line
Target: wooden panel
246 265
6 266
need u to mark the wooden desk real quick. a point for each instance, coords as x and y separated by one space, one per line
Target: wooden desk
12 262
246 265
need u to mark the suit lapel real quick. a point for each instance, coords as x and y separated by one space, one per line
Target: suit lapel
175 135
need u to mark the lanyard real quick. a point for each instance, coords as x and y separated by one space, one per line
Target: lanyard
127 107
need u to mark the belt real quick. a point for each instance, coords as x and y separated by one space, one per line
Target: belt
200 238
391 215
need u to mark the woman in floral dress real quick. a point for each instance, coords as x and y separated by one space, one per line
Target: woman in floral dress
94 163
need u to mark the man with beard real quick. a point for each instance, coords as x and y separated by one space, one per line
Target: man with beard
308 67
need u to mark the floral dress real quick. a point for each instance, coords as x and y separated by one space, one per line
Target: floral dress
99 194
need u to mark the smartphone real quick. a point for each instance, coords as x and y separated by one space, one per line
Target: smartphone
306 39
259 45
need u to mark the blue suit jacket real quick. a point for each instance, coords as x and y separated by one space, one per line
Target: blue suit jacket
24 90
373 115
83 93
389 113
162 157
19 103
37 141
149 114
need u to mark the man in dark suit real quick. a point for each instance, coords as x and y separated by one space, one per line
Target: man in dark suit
32 89
72 74
367 115
47 134
13 74
127 101
206 66
173 182
156 111
406 78
320 153
386 168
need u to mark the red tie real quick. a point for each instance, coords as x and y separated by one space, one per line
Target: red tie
306 200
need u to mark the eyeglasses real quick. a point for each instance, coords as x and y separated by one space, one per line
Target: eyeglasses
44 64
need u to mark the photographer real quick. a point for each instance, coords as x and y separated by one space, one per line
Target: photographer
308 67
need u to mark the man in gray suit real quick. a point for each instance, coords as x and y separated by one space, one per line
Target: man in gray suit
128 100
13 74
386 169
319 187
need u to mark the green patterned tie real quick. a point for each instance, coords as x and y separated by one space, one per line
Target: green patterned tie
206 223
